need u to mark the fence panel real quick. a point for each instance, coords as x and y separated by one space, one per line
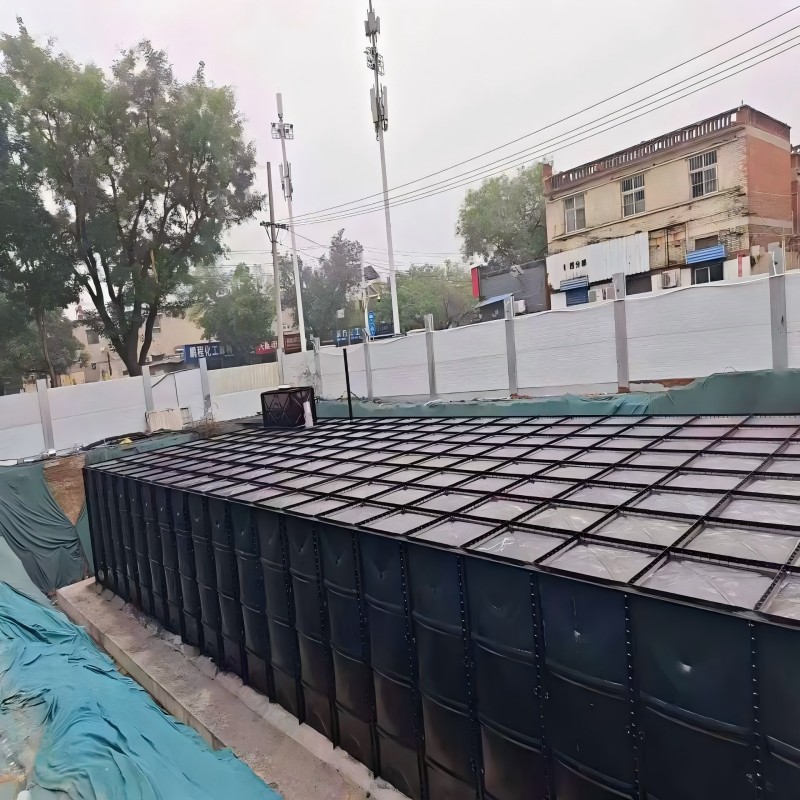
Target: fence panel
241 379
165 392
567 349
92 411
20 426
331 364
400 367
688 333
190 392
793 318
471 359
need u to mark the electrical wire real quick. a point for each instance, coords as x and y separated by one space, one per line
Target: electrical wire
446 188
563 119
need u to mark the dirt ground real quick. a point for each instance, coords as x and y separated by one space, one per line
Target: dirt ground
64 476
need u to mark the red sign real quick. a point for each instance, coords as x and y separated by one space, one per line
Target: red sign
291 344
740 264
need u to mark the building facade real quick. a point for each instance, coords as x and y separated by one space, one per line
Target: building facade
526 282
704 203
170 335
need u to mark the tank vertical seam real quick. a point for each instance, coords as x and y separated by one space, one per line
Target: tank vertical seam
469 666
635 730
538 658
758 777
413 670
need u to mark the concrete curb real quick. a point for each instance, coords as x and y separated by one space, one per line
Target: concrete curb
293 759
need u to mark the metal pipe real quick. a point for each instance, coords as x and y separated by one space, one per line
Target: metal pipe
347 385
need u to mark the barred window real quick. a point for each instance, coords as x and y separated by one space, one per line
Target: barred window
703 173
633 195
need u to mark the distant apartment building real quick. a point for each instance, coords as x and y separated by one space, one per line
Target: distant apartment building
170 336
707 202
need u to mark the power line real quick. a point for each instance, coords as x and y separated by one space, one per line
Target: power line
422 193
563 119
562 140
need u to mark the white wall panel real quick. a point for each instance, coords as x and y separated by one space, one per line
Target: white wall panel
400 366
793 317
165 393
190 392
236 405
689 333
331 362
242 379
20 426
566 348
298 368
92 411
471 359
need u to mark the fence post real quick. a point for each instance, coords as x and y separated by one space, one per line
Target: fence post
620 332
777 309
368 369
511 345
147 386
431 357
317 367
206 388
44 415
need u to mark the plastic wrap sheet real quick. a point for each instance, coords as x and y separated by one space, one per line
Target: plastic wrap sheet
786 600
740 588
602 496
539 489
652 530
757 545
766 512
784 486
79 729
454 532
519 545
501 509
564 518
726 463
784 466
636 477
693 480
601 561
678 503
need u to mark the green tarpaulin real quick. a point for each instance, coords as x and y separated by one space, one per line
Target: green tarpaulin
36 529
78 729
765 392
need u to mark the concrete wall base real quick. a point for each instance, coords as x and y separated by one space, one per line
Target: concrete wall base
293 759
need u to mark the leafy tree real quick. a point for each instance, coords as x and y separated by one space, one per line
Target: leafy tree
444 291
148 174
238 312
33 350
332 286
504 219
36 272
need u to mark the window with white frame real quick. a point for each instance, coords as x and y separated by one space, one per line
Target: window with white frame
633 195
574 213
157 324
703 173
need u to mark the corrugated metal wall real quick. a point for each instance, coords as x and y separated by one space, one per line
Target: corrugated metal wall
629 255
529 285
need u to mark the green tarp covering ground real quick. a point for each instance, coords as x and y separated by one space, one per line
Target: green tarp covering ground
76 726
36 529
765 392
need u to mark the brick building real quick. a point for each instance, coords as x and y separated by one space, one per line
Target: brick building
703 203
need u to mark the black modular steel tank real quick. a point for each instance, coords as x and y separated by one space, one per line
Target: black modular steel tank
574 609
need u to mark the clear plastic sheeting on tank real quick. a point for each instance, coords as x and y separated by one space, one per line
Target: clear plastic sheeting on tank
715 583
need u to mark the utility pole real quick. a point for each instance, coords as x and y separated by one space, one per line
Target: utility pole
272 229
283 131
380 117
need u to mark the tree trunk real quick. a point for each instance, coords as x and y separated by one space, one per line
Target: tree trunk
40 326
129 353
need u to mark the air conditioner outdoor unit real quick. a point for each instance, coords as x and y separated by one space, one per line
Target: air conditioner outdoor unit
669 280
520 307
593 296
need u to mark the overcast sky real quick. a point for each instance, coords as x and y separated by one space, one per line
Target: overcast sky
464 76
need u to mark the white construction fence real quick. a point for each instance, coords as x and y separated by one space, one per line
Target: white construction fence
643 341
